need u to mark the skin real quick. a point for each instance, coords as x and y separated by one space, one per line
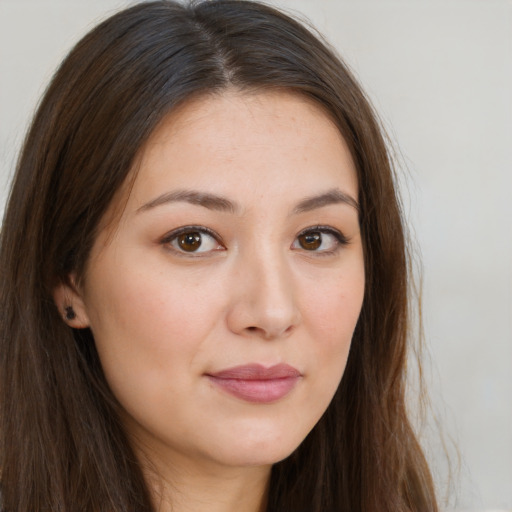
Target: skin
163 318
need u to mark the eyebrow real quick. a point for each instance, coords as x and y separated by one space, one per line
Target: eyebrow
219 203
333 196
210 201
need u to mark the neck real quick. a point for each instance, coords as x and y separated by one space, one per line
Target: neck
202 486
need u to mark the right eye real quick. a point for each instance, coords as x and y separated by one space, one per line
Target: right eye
193 240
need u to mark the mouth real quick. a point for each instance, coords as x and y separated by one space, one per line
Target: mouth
256 383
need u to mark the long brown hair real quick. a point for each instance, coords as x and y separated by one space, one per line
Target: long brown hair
62 446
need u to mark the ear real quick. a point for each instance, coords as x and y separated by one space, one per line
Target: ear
70 303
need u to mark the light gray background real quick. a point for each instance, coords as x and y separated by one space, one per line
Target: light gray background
440 74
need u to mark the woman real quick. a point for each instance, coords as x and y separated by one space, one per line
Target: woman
204 290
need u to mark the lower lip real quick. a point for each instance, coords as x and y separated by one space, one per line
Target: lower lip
257 391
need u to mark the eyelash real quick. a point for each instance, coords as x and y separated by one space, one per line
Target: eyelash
341 240
173 235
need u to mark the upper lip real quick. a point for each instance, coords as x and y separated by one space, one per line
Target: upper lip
257 372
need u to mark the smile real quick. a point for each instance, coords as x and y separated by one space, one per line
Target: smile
255 383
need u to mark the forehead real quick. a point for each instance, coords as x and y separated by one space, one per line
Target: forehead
249 140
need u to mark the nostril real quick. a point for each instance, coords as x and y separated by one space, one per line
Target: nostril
268 334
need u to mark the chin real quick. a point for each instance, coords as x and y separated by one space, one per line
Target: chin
263 451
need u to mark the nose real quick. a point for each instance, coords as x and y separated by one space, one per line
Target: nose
264 300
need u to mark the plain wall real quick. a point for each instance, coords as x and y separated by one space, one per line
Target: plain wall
440 75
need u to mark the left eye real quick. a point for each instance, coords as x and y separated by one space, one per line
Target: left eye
319 240
193 241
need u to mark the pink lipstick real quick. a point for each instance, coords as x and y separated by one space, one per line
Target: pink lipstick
256 383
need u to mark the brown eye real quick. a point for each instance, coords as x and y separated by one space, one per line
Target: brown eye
193 241
189 242
310 241
320 240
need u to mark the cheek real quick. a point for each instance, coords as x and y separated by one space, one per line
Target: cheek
148 311
149 325
332 314
332 310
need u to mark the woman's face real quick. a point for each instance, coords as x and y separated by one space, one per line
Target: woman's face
223 302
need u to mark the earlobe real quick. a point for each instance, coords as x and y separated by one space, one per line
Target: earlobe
70 304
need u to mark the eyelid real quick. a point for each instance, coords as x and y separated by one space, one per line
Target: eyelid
326 229
171 235
336 233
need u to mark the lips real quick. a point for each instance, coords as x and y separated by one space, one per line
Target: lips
256 383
